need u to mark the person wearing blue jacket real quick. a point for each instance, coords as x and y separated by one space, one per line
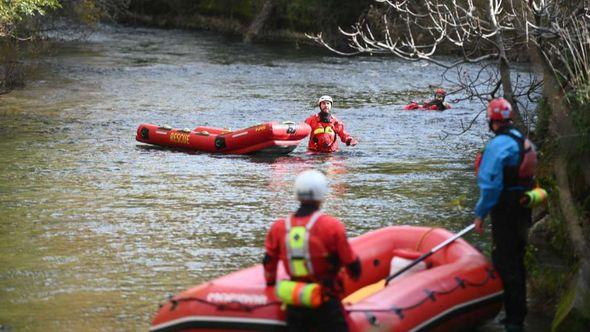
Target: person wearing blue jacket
505 172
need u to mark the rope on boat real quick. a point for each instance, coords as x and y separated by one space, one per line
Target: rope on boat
419 244
431 295
233 305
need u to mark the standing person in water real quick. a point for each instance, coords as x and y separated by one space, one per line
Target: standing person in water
325 127
438 103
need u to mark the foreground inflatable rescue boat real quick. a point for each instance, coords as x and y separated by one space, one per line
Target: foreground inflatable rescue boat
270 137
457 288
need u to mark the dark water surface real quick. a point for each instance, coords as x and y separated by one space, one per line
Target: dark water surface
95 228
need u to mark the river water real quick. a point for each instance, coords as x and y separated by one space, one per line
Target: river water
96 229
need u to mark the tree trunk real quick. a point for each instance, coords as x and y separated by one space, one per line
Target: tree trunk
576 314
507 89
11 70
504 67
259 21
574 309
586 170
568 208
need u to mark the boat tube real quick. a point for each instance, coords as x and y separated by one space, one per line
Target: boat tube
425 107
270 137
457 288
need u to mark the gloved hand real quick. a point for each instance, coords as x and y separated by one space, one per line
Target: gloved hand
351 141
354 269
479 225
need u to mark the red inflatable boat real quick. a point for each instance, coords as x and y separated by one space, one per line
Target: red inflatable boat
458 289
270 137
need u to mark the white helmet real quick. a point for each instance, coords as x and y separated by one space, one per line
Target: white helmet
325 98
311 185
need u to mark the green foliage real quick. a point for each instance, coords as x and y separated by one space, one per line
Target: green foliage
550 261
16 10
581 117
86 11
580 113
545 281
243 11
319 15
13 14
90 12
567 318
542 126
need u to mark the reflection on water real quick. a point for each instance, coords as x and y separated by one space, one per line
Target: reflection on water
96 229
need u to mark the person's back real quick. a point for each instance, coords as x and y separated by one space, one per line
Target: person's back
313 248
328 246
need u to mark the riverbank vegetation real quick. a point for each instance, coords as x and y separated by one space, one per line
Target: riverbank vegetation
276 20
24 24
16 20
553 104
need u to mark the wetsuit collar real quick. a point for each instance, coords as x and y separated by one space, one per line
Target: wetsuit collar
503 129
324 117
307 208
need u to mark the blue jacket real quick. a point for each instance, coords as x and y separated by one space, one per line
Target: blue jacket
501 151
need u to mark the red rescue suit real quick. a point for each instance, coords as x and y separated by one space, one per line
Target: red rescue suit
323 134
329 250
432 105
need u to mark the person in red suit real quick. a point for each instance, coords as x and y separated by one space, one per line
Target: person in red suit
436 104
325 127
313 247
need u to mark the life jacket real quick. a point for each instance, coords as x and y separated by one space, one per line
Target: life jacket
324 137
523 172
435 105
297 242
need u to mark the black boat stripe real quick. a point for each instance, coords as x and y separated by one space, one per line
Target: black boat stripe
457 310
216 322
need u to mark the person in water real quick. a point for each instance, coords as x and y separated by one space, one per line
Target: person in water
313 248
504 172
438 103
325 127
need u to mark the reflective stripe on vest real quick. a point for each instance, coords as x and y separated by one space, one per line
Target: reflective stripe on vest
322 130
297 242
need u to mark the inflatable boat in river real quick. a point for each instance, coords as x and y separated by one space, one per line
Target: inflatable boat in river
270 137
425 107
456 289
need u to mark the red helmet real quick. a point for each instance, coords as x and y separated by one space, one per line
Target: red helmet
499 109
440 92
